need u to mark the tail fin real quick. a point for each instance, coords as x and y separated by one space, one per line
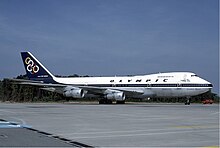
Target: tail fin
34 69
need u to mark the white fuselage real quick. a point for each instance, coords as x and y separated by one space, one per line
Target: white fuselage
173 84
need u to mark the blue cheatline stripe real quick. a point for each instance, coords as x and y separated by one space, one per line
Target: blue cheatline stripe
151 85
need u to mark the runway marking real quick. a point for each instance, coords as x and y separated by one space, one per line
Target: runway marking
19 119
112 132
6 124
144 134
6 111
214 113
133 131
197 126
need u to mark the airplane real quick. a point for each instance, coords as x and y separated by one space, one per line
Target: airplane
117 88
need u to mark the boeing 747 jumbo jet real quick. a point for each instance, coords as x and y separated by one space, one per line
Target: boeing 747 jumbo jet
172 84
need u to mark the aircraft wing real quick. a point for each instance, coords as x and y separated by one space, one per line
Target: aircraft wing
22 80
102 90
34 83
61 87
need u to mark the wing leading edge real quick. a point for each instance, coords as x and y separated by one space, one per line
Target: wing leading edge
59 88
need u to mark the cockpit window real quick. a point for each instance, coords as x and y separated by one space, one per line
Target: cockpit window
194 76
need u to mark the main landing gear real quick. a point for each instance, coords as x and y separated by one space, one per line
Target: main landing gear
120 102
106 101
188 101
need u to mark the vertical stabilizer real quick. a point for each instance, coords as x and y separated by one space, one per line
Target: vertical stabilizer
34 69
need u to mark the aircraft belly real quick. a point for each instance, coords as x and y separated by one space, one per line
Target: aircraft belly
170 92
163 92
133 92
194 91
179 92
148 93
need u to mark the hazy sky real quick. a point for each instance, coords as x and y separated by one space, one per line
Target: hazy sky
111 37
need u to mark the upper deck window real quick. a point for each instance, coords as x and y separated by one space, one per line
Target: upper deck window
194 76
165 76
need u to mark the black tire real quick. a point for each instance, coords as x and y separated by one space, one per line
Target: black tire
105 101
120 102
188 101
102 101
108 101
67 99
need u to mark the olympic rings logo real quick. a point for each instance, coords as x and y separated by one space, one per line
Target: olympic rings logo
31 66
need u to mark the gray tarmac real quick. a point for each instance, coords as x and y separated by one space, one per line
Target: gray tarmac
22 137
133 125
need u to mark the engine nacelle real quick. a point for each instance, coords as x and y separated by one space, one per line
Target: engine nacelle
74 92
118 96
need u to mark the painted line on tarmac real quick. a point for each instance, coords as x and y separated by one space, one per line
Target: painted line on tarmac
6 124
144 134
148 130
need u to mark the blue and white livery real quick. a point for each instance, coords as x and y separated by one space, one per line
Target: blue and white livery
171 84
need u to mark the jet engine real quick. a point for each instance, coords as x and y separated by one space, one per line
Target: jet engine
74 92
118 96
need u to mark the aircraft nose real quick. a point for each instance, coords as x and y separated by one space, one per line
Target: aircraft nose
209 85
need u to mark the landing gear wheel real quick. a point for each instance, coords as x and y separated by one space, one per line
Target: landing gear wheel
188 101
120 102
105 101
102 101
108 101
67 99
